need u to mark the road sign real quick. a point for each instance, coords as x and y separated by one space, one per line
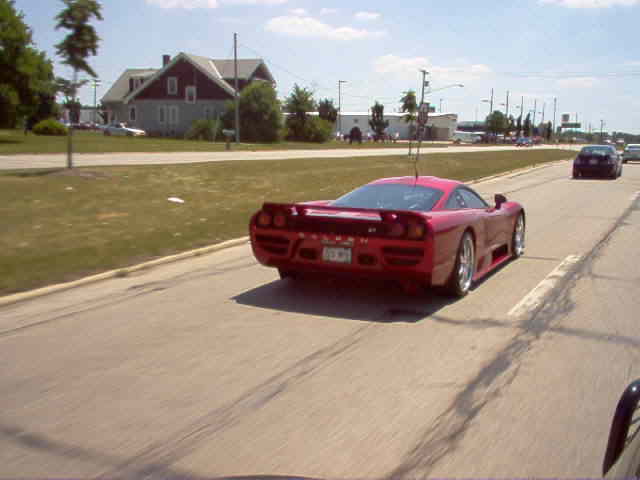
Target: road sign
423 113
573 125
566 118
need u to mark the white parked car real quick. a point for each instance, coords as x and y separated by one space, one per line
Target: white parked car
121 129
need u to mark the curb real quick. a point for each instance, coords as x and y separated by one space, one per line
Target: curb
120 272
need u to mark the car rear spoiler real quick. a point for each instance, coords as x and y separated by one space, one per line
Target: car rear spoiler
302 209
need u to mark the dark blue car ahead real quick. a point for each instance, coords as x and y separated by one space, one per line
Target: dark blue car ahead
597 161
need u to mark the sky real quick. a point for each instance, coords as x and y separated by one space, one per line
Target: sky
584 54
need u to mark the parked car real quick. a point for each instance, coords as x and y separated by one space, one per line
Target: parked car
121 129
524 142
418 231
622 457
597 160
631 152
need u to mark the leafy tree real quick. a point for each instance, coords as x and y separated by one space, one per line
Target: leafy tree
327 110
496 122
26 75
519 126
409 106
260 114
377 122
549 131
298 104
511 125
80 43
526 127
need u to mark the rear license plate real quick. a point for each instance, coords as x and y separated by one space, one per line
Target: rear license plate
593 161
336 254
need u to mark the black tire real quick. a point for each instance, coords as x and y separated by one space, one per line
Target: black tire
460 280
517 245
287 274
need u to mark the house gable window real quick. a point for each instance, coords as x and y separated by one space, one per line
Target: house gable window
172 86
190 94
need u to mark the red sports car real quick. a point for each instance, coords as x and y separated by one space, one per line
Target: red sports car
423 231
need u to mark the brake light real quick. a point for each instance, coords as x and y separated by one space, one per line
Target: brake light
264 219
397 230
279 220
416 231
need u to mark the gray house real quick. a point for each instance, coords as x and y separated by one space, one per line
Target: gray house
166 101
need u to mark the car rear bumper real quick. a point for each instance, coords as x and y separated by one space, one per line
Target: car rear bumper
369 257
594 170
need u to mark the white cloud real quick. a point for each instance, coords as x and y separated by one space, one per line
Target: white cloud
366 16
591 3
300 12
328 11
188 4
577 82
398 65
304 26
410 66
191 4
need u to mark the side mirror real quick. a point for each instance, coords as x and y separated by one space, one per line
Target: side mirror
620 425
499 199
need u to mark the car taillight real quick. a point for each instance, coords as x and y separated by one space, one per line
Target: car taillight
416 231
279 220
264 219
397 230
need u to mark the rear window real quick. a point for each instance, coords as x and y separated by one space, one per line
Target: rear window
596 151
391 196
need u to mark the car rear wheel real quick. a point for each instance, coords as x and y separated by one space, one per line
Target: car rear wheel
287 274
518 237
460 282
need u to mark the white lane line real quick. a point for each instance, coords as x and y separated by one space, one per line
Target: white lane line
534 298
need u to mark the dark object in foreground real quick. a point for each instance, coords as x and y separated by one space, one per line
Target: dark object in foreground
622 457
420 232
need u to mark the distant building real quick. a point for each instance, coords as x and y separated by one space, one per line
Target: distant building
440 126
167 100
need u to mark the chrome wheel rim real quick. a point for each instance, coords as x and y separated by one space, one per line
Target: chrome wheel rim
466 264
518 236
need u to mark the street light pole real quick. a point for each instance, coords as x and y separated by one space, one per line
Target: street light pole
507 114
555 104
340 82
96 82
237 94
491 104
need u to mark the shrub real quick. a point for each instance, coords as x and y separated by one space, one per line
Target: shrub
321 130
203 129
49 126
312 129
260 116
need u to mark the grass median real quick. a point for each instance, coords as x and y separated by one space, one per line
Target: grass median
60 225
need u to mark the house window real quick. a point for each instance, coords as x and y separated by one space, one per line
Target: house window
190 94
162 114
172 85
173 115
132 114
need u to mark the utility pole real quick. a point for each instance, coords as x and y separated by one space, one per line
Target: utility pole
491 104
555 104
544 104
96 82
440 105
424 74
340 82
601 131
507 113
535 108
237 95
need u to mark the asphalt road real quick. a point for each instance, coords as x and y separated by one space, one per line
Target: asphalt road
213 367
9 162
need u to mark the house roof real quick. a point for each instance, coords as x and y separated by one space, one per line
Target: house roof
246 68
121 87
206 66
216 70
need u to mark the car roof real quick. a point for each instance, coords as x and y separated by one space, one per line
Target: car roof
443 184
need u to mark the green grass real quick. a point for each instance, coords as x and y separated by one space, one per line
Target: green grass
14 142
59 225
